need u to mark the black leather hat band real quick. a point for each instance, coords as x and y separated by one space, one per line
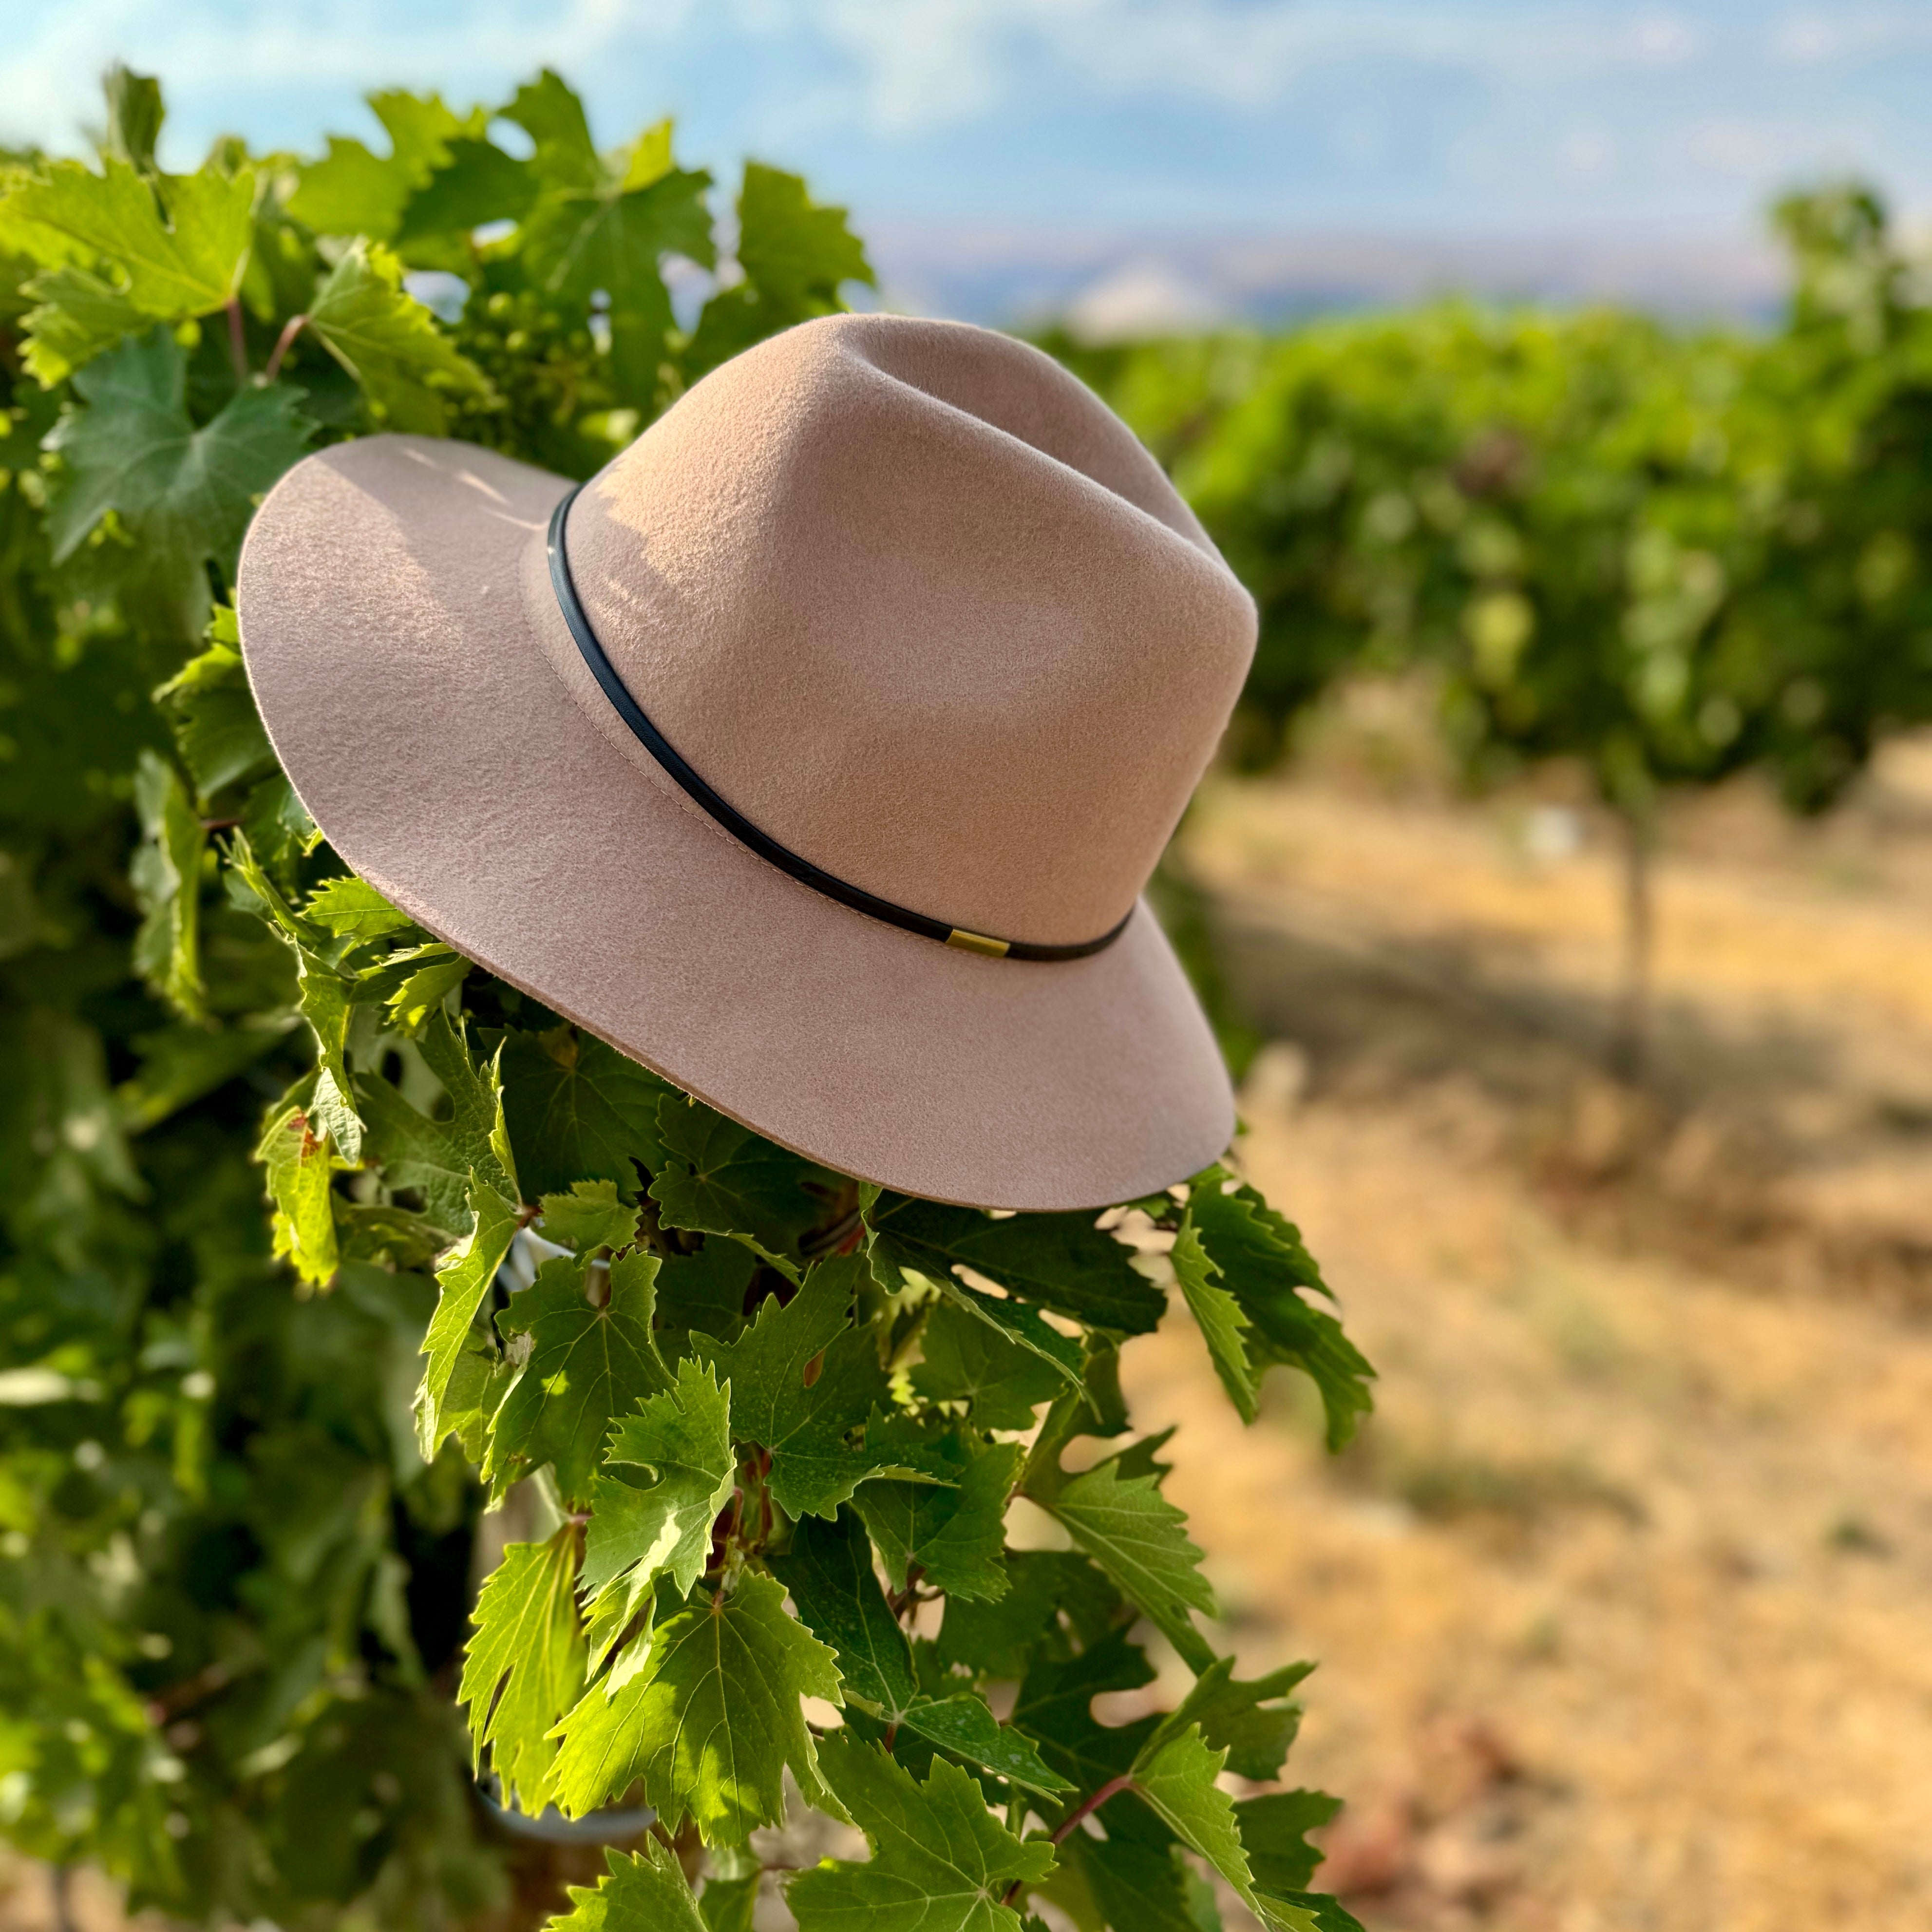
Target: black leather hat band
741 828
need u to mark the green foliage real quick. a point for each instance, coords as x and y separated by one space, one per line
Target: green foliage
318 1243
1667 556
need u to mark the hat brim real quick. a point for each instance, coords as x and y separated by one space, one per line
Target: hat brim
418 685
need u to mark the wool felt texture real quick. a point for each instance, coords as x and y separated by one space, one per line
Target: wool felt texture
913 600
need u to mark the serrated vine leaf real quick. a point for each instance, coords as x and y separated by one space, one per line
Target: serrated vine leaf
1274 1834
967 1359
1263 1265
581 1364
940 1862
524 1663
964 1724
1055 1707
808 1429
1218 1315
464 1279
76 315
1062 1261
995 1638
644 1891
590 1216
352 190
184 495
438 1158
828 1571
1133 1884
182 258
216 729
386 339
717 1178
1175 1776
353 910
299 1169
669 1470
579 1111
1135 1535
711 1720
165 874
1252 1721
955 1531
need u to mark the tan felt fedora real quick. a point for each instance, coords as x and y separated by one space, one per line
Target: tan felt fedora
817 758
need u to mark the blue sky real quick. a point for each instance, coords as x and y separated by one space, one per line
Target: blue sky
1411 117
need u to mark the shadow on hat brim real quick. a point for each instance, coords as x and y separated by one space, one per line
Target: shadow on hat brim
417 683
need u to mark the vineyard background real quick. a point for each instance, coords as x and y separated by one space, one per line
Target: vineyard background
1619 1597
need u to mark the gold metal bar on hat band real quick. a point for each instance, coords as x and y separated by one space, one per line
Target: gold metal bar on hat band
977 942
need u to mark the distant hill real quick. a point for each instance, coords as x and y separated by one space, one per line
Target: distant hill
1108 285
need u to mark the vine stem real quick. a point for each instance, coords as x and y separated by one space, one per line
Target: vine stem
284 342
1076 1818
237 346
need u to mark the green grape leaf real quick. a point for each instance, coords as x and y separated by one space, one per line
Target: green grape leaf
730 1904
464 1279
438 1158
1263 1264
298 1162
134 116
609 230
165 874
76 316
183 264
184 496
1174 1777
588 1217
706 1290
1136 1537
717 1178
549 111
392 345
995 1638
967 1359
828 1572
1233 1718
711 1720
964 1725
644 1891
639 1531
580 1366
351 191
478 184
353 910
955 1533
1219 1316
212 713
1273 1829
524 1664
1011 1321
1133 1885
1304 1911
815 1466
1062 1261
796 253
1054 1707
421 995
940 1862
579 1111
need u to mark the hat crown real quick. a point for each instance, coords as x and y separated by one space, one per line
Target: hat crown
917 604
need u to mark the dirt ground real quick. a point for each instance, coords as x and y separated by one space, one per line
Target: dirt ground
1621 1599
